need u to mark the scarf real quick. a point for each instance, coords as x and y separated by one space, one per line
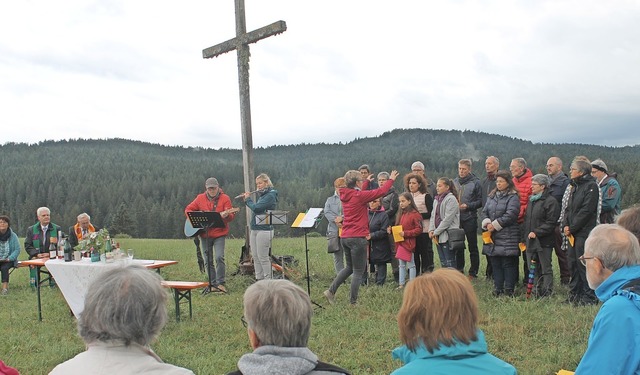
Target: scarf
563 212
78 230
6 235
439 198
535 197
39 240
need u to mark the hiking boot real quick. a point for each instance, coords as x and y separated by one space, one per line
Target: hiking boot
330 296
219 289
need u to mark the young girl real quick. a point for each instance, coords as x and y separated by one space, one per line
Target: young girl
411 221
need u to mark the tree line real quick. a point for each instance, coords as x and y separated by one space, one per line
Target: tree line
141 189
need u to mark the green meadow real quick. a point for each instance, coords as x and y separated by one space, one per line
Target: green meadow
536 336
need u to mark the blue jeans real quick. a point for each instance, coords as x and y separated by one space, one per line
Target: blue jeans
447 256
412 269
217 274
355 251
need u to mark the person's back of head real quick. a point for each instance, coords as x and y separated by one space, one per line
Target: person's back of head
126 305
614 246
278 312
438 308
630 220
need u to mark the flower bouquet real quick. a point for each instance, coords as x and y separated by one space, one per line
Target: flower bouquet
96 240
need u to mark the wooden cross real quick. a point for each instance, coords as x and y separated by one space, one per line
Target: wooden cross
241 44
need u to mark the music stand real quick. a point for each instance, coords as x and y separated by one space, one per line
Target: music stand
307 221
205 219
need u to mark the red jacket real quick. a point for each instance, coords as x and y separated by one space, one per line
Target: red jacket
523 186
203 203
412 227
355 209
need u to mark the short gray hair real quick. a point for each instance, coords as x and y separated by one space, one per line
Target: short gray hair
351 177
521 162
541 179
615 246
84 214
125 304
40 210
384 175
583 166
279 312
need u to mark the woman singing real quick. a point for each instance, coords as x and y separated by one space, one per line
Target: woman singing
261 235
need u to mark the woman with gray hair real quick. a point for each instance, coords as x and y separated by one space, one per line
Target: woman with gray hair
124 312
277 315
538 234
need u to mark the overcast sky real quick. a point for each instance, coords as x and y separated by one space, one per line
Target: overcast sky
545 71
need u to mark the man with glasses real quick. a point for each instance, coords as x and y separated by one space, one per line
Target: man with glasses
578 220
612 261
277 316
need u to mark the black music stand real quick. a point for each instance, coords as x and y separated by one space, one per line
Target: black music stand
307 221
205 219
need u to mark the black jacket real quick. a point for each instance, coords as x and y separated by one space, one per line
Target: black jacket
541 217
582 208
380 246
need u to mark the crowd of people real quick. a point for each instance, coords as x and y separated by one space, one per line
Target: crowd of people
522 216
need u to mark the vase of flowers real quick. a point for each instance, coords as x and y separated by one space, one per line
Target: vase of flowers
96 240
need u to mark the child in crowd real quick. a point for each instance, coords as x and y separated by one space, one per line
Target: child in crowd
410 221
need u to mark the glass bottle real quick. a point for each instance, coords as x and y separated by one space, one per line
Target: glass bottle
95 255
53 250
68 251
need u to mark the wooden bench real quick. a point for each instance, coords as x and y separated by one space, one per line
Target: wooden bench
20 265
182 290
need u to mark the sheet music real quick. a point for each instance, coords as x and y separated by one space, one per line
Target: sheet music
310 218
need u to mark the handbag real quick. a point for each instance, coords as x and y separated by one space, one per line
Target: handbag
333 243
456 238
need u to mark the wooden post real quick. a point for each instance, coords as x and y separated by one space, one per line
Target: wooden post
241 44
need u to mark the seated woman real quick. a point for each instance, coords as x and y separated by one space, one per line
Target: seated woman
438 324
9 251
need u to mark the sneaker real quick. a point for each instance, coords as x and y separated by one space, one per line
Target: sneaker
5 292
330 296
400 287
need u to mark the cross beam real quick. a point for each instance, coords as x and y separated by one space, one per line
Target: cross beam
241 44
275 28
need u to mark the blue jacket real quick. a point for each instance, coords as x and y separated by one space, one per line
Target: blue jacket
471 359
266 201
11 248
615 335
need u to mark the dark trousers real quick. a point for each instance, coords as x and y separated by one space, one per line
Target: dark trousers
578 286
423 254
563 262
381 273
4 269
470 227
543 270
505 273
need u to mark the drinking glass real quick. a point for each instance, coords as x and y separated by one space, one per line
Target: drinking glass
130 254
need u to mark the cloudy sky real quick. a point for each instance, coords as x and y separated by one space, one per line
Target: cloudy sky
546 71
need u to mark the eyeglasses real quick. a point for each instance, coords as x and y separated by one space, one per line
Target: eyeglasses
244 322
583 260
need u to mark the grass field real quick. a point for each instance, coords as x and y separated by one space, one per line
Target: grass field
536 336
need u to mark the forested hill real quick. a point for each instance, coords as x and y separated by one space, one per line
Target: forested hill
141 189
